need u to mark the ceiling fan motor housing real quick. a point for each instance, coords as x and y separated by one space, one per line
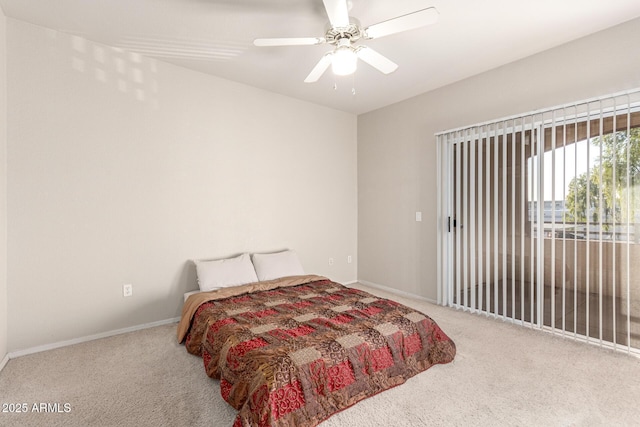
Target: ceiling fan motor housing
351 32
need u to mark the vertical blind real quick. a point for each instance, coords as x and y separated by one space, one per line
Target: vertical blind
539 220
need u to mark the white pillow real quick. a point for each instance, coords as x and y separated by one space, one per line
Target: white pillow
274 266
223 273
188 294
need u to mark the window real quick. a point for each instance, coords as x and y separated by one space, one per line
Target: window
590 185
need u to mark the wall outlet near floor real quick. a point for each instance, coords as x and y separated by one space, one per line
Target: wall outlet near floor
127 290
330 261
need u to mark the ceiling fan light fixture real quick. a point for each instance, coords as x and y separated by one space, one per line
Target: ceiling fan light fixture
344 61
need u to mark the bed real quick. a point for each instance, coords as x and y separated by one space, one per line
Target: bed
295 350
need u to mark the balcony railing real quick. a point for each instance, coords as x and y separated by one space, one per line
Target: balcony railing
605 231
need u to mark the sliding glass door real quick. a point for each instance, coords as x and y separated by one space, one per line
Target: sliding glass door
540 220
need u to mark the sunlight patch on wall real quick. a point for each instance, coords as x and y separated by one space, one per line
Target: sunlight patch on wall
129 73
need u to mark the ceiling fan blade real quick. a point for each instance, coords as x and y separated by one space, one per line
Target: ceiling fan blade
376 60
299 41
319 69
411 21
337 12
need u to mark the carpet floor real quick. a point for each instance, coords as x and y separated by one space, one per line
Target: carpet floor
503 375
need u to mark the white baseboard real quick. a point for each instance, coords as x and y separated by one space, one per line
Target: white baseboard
40 348
66 343
4 362
396 291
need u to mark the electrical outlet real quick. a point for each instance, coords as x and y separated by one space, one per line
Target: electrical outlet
127 290
330 261
349 259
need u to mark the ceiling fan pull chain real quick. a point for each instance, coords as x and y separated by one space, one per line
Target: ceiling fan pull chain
353 85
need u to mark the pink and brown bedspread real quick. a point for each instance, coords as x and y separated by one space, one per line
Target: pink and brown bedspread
294 351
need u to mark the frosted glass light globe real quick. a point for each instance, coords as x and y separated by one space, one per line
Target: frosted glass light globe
344 61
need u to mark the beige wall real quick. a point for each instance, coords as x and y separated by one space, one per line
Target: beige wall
121 169
3 188
397 160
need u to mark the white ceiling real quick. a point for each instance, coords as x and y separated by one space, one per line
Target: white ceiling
215 37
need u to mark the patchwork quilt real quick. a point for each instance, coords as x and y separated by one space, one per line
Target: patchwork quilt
294 351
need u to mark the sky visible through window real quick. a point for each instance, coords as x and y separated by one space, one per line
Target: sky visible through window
570 161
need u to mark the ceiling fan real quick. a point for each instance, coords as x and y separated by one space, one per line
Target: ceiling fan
344 31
